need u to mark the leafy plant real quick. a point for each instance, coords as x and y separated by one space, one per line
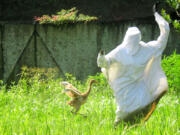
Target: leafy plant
65 16
175 4
40 108
171 66
36 105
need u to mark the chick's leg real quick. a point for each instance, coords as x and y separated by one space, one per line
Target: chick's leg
76 109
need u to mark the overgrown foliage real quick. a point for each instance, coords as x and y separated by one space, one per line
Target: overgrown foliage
174 4
65 16
171 66
36 106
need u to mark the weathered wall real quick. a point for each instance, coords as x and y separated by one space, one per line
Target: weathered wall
72 48
1 53
15 38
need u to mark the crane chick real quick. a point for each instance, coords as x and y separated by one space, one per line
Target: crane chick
78 98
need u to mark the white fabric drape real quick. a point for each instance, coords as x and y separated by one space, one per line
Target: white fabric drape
134 71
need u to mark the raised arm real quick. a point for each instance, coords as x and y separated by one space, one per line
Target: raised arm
164 32
163 26
160 44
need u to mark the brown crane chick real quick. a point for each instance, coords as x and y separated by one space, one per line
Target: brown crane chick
78 98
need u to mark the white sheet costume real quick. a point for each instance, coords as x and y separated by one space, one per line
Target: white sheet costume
133 70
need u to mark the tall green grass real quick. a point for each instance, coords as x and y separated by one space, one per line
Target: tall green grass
36 106
171 66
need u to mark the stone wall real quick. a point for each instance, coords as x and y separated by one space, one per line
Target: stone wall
72 48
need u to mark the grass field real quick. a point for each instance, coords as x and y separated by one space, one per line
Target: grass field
36 106
41 109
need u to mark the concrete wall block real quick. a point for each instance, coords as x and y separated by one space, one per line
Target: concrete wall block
26 59
74 47
146 31
86 51
1 56
28 56
112 36
43 57
15 40
173 42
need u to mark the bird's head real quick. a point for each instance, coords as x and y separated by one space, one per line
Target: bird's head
64 83
101 58
102 52
93 81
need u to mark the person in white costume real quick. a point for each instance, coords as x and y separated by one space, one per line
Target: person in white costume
133 70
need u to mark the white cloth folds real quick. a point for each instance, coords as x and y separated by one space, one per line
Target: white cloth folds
133 69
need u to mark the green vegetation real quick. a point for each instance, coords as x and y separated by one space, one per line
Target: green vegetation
174 4
65 16
35 105
171 66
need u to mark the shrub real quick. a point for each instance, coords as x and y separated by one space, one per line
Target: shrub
171 66
175 5
65 16
39 78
